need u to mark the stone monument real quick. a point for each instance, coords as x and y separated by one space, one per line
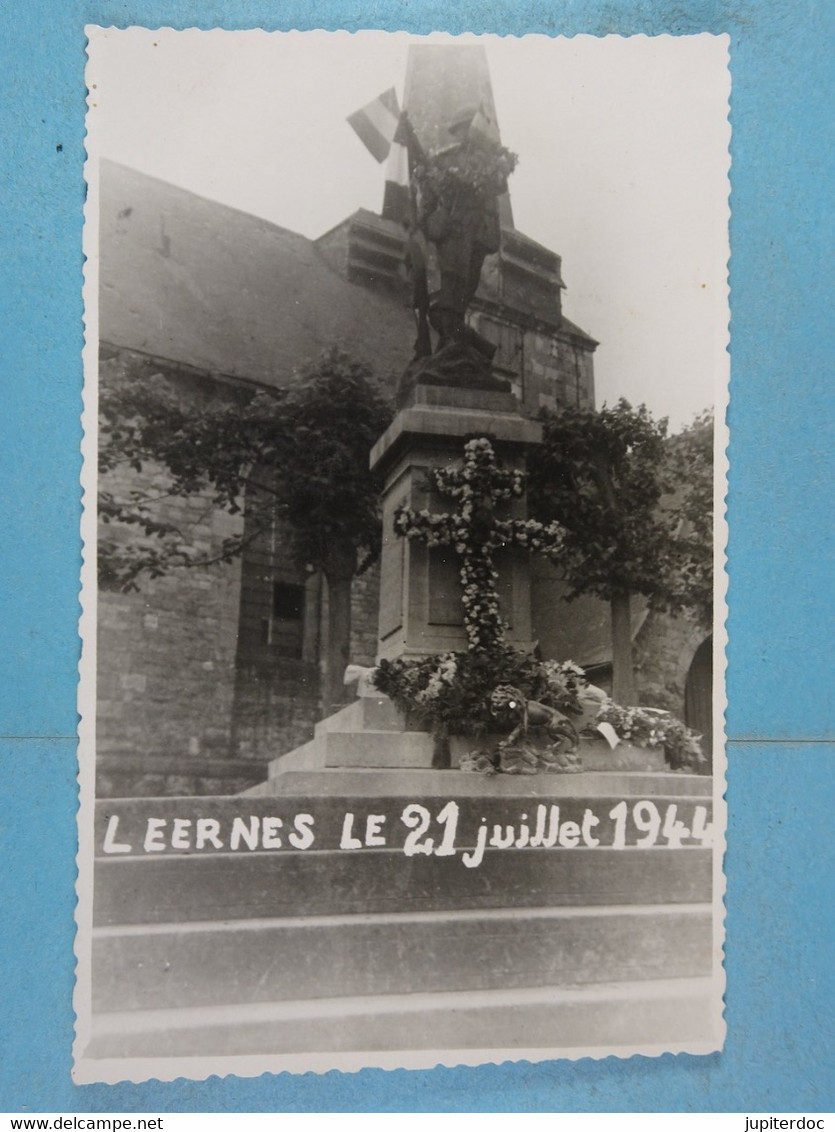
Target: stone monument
449 394
420 590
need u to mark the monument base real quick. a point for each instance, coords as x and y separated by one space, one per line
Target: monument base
421 609
367 747
421 783
359 900
375 909
458 365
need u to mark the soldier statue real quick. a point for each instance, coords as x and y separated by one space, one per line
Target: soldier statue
456 210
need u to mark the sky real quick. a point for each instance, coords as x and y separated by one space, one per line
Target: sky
623 165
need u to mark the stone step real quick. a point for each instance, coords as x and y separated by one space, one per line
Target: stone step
369 713
370 732
310 756
416 783
137 890
206 825
260 790
671 1015
384 749
320 957
403 749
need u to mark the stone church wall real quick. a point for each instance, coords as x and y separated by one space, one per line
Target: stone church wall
166 663
182 705
166 653
557 373
277 704
546 367
365 597
663 650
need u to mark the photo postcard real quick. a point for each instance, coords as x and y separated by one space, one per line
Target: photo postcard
402 698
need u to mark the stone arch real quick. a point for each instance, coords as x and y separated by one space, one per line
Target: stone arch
664 649
698 694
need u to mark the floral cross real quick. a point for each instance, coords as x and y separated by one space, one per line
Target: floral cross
474 532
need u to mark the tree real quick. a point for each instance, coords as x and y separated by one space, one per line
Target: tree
299 454
690 469
607 477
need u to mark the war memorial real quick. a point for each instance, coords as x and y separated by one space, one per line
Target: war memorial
393 890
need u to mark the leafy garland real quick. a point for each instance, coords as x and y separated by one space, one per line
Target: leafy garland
475 533
450 693
481 171
648 727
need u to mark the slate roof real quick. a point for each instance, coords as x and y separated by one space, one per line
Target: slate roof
196 282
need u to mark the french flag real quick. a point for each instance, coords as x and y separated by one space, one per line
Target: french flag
397 197
388 136
376 124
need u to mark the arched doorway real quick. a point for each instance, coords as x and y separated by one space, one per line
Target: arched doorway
698 695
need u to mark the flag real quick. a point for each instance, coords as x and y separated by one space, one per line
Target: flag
484 128
397 197
398 204
406 152
376 124
609 734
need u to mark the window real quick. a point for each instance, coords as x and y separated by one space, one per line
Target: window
284 629
273 612
288 601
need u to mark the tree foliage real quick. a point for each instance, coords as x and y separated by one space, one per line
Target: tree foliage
635 504
636 509
598 474
299 453
689 459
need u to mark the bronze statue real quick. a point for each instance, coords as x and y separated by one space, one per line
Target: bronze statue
455 208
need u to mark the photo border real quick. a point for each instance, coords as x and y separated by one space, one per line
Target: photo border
138 1069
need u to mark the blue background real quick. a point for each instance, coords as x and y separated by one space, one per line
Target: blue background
780 1052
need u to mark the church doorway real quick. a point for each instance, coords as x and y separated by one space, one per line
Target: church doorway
698 695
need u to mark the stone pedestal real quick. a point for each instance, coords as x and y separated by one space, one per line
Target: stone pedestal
420 592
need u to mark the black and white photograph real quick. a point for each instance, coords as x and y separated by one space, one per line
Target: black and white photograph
402 684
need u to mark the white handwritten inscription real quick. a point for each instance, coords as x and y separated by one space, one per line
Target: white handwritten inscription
417 831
